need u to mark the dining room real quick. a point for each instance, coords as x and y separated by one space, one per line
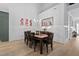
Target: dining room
35 25
35 29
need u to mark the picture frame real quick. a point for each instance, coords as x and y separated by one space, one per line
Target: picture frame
47 22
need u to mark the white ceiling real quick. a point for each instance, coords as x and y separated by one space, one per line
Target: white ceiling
44 6
40 6
74 10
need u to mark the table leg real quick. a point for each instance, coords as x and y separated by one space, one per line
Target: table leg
41 47
27 41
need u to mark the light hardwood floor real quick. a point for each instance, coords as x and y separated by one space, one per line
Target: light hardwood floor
19 48
71 48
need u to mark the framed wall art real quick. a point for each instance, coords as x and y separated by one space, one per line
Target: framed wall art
47 22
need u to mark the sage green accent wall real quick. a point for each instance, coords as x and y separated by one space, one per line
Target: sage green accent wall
4 26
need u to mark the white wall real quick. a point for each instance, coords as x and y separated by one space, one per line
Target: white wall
78 28
16 12
4 7
57 12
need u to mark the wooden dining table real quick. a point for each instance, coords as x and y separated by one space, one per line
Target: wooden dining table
41 37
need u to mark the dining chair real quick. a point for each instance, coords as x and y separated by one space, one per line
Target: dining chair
35 42
31 39
49 40
26 36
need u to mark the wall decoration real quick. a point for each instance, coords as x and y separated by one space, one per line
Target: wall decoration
47 22
26 22
30 22
21 21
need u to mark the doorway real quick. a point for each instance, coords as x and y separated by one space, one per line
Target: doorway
78 29
4 26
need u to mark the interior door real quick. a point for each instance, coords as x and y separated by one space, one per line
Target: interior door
4 26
